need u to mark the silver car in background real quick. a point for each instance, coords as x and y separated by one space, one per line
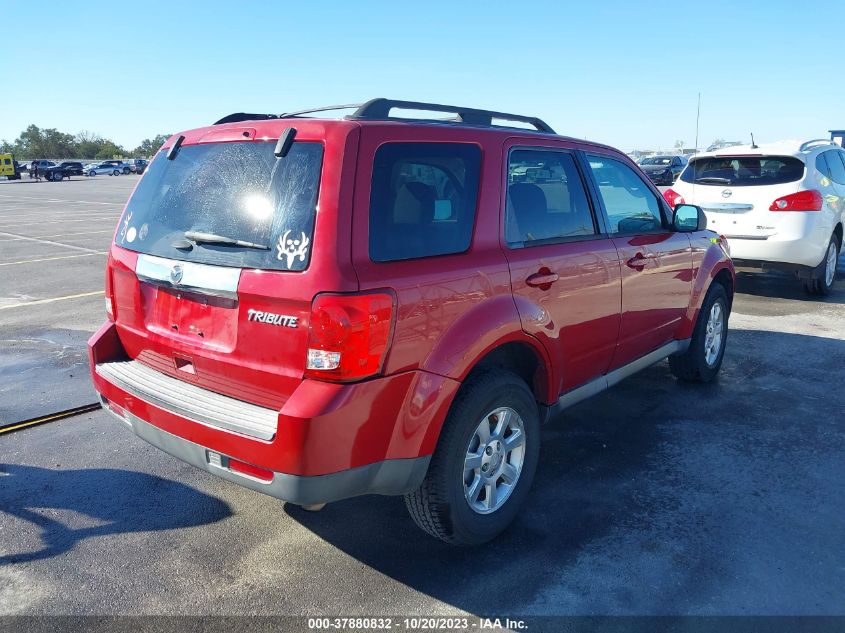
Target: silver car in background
102 168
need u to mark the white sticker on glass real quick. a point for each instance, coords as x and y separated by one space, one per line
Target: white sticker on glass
289 249
126 221
130 234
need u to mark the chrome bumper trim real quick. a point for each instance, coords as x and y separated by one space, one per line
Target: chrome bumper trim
190 401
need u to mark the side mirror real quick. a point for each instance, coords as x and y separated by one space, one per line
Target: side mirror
688 218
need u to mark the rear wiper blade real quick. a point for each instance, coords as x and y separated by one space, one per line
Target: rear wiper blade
724 181
212 238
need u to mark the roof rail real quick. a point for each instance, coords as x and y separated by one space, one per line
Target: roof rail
379 109
816 141
347 106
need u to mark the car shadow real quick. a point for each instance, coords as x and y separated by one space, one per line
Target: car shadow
650 477
562 516
114 501
777 285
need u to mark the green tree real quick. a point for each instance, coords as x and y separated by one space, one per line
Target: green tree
109 150
35 142
149 146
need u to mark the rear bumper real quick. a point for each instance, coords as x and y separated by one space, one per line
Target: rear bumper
801 241
329 441
388 477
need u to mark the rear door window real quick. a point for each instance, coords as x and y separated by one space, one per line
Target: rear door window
239 191
743 171
546 201
422 200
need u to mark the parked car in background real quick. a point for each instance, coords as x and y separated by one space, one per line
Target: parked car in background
50 171
781 205
139 165
72 168
102 168
663 170
41 165
125 168
410 338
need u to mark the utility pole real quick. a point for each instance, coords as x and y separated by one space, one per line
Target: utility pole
697 117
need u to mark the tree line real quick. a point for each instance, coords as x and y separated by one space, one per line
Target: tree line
36 143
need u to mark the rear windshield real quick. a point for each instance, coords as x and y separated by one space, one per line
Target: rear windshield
739 171
657 160
239 191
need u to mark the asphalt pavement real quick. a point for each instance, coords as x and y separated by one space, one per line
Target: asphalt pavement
53 242
655 497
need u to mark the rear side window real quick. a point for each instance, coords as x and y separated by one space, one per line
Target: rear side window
239 191
837 167
546 201
423 200
743 171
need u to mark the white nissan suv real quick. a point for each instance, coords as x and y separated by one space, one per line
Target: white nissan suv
781 206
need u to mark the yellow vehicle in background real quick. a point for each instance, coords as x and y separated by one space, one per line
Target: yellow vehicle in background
9 167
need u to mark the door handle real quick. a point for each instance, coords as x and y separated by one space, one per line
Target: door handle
544 278
640 261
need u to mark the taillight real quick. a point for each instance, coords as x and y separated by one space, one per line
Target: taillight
810 200
109 291
673 198
348 335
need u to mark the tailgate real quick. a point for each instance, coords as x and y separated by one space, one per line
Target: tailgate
238 332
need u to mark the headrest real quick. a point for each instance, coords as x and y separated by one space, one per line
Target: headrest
414 204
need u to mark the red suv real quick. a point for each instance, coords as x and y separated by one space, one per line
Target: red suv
318 309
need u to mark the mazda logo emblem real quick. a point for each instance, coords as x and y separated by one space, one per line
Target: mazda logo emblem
176 274
726 193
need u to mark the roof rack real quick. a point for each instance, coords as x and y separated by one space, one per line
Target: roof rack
816 141
379 110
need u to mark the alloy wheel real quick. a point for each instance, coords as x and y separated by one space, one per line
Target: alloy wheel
713 336
494 459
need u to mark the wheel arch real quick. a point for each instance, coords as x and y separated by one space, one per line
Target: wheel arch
721 271
491 335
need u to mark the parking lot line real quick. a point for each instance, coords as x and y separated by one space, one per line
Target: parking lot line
51 300
119 204
41 237
51 243
49 259
47 221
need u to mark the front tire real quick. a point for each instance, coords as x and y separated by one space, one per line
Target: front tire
484 463
825 275
703 359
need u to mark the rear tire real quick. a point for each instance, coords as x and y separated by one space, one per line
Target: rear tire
703 359
475 487
825 274
116 172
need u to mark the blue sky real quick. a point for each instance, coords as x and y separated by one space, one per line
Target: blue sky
625 73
